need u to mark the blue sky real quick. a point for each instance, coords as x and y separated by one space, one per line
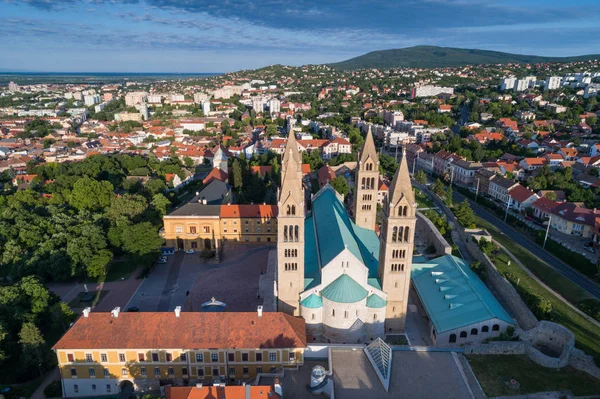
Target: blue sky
228 35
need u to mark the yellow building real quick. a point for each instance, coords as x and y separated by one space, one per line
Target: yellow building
104 352
203 226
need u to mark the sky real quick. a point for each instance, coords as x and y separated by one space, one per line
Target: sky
229 35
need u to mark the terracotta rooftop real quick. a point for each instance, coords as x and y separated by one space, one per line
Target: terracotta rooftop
249 211
218 392
142 330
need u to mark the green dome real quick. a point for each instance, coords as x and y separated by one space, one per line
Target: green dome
375 301
312 302
344 290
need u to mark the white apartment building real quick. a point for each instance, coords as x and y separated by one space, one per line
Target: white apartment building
206 107
508 83
154 99
200 97
521 85
393 117
429 91
176 97
258 104
274 105
12 86
553 82
136 97
91 99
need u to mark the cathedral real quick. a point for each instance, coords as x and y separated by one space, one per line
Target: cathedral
349 284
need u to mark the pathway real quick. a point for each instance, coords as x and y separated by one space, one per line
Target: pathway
52 376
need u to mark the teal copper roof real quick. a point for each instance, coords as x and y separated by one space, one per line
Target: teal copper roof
375 301
312 301
344 290
453 295
328 231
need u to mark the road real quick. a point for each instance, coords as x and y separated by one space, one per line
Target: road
558 265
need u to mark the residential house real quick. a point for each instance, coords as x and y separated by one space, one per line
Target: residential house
567 217
483 177
530 164
464 172
218 391
553 160
500 187
522 198
382 192
569 154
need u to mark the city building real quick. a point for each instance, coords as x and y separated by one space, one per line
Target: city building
430 91
206 107
200 97
508 83
460 307
274 106
91 99
134 98
225 391
349 285
103 352
12 86
552 82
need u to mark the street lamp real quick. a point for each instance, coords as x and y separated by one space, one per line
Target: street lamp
547 231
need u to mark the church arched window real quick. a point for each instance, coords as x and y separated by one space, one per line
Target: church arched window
285 233
400 230
394 234
288 210
362 185
293 210
405 211
406 234
296 233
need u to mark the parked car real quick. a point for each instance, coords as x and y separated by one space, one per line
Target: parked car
190 251
590 249
161 261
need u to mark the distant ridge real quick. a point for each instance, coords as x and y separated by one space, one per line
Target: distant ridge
439 57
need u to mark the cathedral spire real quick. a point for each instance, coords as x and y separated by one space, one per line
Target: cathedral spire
291 157
401 186
369 148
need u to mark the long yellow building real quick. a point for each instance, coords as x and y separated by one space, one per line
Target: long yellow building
202 226
105 352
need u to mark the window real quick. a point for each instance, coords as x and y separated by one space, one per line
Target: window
292 356
194 244
178 229
169 357
272 357
246 230
332 312
155 357
272 370
485 329
312 317
171 372
157 372
76 388
463 334
244 357
199 357
192 229
73 373
184 371
94 387
143 371
92 372
495 327
183 357
88 357
106 373
231 372
473 331
124 372
345 314
214 357
122 357
215 372
246 222
206 229
201 372
231 357
103 357
452 338
141 357
70 357
245 372
258 357
259 370
108 388
374 316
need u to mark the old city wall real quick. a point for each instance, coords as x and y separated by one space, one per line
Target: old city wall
427 231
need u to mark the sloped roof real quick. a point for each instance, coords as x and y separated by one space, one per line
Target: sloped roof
215 174
218 392
453 295
375 301
312 301
249 211
224 330
344 290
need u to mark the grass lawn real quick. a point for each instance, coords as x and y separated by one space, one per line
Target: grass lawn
493 371
98 295
423 200
118 269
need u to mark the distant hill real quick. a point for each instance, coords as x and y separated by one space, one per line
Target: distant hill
438 57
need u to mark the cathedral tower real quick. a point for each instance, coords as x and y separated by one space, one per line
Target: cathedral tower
290 230
367 185
396 246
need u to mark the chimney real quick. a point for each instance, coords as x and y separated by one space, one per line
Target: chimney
197 193
259 310
204 201
115 312
86 312
177 311
277 387
199 385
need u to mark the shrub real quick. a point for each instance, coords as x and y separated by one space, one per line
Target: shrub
591 307
54 390
478 268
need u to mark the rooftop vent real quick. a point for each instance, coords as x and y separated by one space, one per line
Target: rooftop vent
260 310
115 312
86 312
177 311
454 305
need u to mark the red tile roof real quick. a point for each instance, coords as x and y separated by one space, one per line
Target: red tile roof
215 174
218 392
248 211
520 193
191 330
261 170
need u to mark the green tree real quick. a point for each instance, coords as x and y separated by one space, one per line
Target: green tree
128 206
420 177
464 214
236 173
141 239
91 194
155 186
33 345
161 204
340 185
188 162
438 187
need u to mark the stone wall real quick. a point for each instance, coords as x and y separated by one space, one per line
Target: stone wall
501 287
427 230
553 337
583 362
497 348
